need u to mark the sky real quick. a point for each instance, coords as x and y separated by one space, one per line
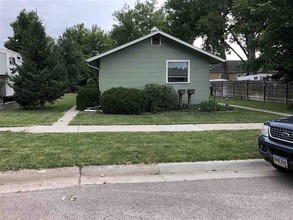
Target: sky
57 15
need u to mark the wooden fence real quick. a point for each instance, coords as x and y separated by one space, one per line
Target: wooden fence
251 90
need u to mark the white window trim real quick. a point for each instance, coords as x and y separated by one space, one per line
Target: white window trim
188 72
156 44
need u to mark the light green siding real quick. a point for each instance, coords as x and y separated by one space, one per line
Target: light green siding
144 63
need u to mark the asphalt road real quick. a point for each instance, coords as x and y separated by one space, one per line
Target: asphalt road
241 198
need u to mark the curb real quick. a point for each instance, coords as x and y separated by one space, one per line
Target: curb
30 180
231 165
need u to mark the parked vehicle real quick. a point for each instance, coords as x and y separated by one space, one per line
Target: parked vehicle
9 60
255 77
276 143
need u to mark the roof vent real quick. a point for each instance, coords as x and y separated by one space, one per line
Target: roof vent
156 40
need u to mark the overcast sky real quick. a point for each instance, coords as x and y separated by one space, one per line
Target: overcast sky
59 14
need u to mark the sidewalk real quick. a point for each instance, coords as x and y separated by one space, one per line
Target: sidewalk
261 110
133 128
29 180
62 126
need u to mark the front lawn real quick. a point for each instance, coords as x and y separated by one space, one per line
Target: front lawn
18 116
174 117
23 150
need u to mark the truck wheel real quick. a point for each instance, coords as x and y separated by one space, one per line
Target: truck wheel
282 169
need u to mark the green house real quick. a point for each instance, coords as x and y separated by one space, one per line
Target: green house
156 58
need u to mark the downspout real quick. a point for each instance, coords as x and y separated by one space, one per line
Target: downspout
94 67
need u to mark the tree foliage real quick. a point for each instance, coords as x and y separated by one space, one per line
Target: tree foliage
70 54
21 30
254 25
90 40
275 41
78 43
190 19
40 75
137 22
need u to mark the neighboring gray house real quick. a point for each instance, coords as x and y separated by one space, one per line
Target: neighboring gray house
156 58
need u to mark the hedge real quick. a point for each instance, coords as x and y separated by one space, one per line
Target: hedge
120 100
88 96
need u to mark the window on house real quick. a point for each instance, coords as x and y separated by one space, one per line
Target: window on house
156 40
178 71
12 61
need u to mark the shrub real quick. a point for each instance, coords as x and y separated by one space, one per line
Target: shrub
160 98
91 82
210 106
128 101
87 97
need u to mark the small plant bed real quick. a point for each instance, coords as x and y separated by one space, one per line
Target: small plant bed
277 107
174 117
35 151
17 116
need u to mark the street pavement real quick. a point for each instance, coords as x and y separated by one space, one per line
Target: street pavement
260 198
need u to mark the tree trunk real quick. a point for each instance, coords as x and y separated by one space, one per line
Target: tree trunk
225 68
42 103
250 50
225 71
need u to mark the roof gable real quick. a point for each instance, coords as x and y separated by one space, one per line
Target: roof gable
213 58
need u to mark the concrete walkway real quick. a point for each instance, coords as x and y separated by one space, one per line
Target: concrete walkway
66 118
28 180
133 128
261 110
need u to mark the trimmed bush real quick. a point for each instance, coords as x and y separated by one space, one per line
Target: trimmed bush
210 106
127 101
160 98
88 96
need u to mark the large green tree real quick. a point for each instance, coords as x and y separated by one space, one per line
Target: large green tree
73 59
40 77
21 27
254 25
190 19
218 22
275 41
90 40
137 22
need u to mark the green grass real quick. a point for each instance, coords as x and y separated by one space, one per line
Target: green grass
23 150
18 116
175 117
278 107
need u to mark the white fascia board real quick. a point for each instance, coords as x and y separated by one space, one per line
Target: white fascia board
121 47
150 35
5 50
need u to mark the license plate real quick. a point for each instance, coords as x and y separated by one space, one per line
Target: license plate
280 161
